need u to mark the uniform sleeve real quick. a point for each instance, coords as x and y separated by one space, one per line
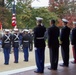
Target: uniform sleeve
72 37
49 38
22 40
46 34
34 33
3 42
29 38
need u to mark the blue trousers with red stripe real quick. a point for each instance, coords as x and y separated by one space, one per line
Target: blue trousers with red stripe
26 53
16 54
40 57
6 55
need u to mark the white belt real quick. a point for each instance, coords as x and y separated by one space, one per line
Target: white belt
6 42
40 38
25 41
16 41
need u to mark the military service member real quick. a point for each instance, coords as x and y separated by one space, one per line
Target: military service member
39 44
15 42
64 37
53 44
25 43
6 44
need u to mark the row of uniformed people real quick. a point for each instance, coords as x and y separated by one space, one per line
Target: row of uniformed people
14 40
53 44
53 34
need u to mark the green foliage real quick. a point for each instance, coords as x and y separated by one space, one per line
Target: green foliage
26 15
65 8
4 18
45 14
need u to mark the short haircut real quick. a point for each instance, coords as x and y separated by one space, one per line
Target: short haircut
40 21
65 22
53 21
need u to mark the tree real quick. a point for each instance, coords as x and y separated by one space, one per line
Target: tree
4 19
26 15
64 9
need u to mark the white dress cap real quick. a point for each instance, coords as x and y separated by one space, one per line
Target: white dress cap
15 29
26 30
64 20
39 18
6 30
74 22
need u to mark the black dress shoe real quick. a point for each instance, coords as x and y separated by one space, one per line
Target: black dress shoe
6 64
62 65
49 68
25 60
52 68
15 62
73 62
38 72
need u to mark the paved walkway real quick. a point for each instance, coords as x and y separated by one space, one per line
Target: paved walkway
71 70
22 64
61 71
27 68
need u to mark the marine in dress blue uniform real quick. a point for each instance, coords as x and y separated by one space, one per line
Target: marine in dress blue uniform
64 37
53 44
73 41
6 44
25 44
15 42
39 44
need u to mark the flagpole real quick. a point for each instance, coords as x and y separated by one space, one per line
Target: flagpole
14 14
13 7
